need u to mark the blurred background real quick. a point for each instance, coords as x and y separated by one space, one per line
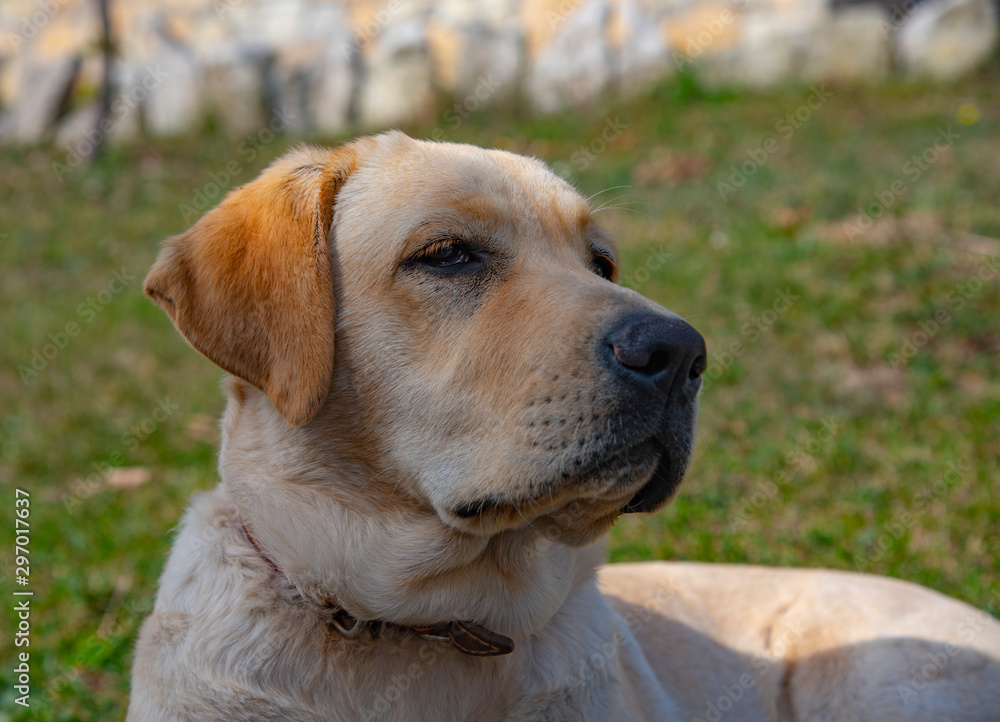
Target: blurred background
813 184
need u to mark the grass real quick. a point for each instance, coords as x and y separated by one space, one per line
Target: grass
849 419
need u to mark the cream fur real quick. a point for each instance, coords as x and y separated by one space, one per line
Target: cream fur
439 395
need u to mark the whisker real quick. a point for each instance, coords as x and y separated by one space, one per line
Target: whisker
709 414
612 188
362 487
608 203
623 208
640 203
622 201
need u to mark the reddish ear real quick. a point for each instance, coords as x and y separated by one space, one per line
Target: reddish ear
249 286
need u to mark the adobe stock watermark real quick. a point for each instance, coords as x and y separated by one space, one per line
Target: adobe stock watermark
912 170
731 694
111 631
459 112
32 25
656 260
225 7
83 488
87 310
587 670
556 16
120 108
428 653
938 661
219 181
795 459
897 16
944 314
711 30
892 531
750 333
598 664
586 155
786 127
366 33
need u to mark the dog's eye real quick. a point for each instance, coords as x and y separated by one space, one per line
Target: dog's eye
444 254
604 267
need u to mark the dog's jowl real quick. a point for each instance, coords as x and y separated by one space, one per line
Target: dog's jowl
440 400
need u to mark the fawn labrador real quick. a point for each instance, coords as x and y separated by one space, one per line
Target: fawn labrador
440 401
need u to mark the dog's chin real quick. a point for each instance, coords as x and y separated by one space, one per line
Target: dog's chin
674 445
585 506
579 523
661 486
576 522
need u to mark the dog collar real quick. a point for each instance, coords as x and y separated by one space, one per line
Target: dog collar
467 637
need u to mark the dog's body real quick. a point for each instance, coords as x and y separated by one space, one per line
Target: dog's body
440 483
231 640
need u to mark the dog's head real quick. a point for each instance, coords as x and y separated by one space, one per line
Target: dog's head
451 313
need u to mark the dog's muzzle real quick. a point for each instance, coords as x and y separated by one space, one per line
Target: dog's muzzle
657 362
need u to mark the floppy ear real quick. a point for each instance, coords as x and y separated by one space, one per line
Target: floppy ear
249 285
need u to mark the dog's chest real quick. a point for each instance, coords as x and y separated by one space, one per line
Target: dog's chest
236 635
419 680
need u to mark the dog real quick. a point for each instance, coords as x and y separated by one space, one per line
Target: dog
439 401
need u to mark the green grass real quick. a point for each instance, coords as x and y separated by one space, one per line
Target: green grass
818 446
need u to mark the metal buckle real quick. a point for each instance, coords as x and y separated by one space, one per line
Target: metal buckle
352 632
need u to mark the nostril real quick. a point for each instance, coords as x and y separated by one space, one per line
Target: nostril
630 355
645 361
697 368
657 350
658 362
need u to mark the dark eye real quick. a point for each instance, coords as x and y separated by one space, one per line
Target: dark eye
444 254
604 267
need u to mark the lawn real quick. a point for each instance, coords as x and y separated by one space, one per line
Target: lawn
837 247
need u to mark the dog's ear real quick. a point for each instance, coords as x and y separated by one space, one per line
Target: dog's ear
249 286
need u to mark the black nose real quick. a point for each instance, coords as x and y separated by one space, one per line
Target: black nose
664 353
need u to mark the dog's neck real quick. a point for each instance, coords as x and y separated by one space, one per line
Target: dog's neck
343 535
467 637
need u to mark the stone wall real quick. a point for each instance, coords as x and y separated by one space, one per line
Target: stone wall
335 66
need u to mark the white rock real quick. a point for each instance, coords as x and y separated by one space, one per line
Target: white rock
274 23
463 13
81 129
289 81
491 59
398 77
853 45
173 103
233 88
78 131
333 81
308 62
946 38
332 91
662 9
133 84
11 77
642 54
43 90
573 67
773 45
